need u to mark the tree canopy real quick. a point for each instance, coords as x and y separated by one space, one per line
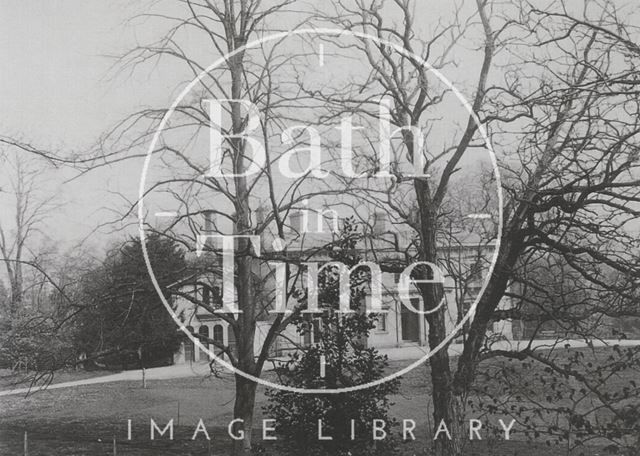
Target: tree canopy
125 318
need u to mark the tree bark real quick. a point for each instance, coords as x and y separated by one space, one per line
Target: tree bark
243 409
510 250
445 408
446 405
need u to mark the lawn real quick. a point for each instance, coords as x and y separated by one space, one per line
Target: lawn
84 420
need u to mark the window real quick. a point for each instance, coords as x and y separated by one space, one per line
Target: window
189 347
216 297
210 296
381 323
204 332
315 327
218 334
311 332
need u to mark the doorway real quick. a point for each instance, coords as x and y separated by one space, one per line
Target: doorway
410 323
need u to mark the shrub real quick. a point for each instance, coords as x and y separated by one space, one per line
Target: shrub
347 363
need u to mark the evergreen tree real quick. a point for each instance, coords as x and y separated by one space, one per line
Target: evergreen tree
126 322
340 341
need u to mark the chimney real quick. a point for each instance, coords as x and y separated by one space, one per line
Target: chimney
208 221
379 222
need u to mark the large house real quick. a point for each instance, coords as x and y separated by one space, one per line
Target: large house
397 328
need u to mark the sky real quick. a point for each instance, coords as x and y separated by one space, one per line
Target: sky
54 81
60 92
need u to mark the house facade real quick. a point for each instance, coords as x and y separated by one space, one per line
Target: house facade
398 326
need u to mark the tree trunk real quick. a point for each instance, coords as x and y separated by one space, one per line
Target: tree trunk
447 407
245 396
245 389
243 409
510 249
445 404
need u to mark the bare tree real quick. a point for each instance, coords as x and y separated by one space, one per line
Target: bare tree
563 117
574 202
236 202
562 113
418 202
36 336
23 221
579 189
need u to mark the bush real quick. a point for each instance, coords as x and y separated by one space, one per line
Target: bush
348 363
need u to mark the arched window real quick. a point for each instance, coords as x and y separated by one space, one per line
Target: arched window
218 336
311 335
204 331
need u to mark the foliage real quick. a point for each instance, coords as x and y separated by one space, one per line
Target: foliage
569 398
347 364
37 338
34 343
125 319
341 340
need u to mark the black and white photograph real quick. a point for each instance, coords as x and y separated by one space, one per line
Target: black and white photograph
320 228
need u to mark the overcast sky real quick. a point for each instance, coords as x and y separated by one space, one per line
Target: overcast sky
58 92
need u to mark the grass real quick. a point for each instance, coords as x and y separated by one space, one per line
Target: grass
84 420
